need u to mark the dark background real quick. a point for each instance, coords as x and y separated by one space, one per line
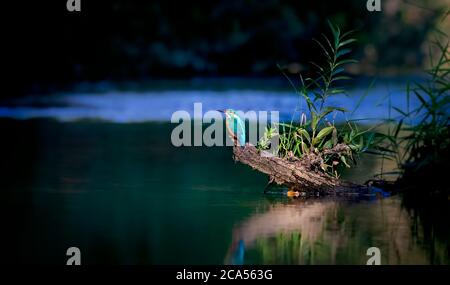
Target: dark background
49 48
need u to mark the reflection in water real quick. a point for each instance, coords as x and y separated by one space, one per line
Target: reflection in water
331 232
281 220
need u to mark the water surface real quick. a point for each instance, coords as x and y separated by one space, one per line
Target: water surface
149 105
124 195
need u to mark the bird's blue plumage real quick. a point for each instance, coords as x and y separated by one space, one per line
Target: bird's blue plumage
236 126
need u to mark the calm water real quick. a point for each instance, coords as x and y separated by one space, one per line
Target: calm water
124 195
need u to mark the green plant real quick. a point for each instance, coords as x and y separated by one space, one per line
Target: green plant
420 140
317 135
264 142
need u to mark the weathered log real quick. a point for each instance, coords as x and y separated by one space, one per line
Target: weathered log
300 175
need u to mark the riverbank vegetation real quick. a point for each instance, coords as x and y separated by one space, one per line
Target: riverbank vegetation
419 142
416 139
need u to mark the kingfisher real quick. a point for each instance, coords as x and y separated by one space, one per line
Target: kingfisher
236 130
235 126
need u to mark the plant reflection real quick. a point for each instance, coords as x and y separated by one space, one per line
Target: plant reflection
325 231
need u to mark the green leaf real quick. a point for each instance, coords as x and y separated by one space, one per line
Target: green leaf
342 52
337 91
345 61
349 41
305 148
297 150
286 125
347 34
337 71
323 133
340 109
334 30
361 98
328 144
314 121
323 49
340 78
328 42
398 128
422 100
304 133
317 66
400 111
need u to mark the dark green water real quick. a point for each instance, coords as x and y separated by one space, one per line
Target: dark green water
124 195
